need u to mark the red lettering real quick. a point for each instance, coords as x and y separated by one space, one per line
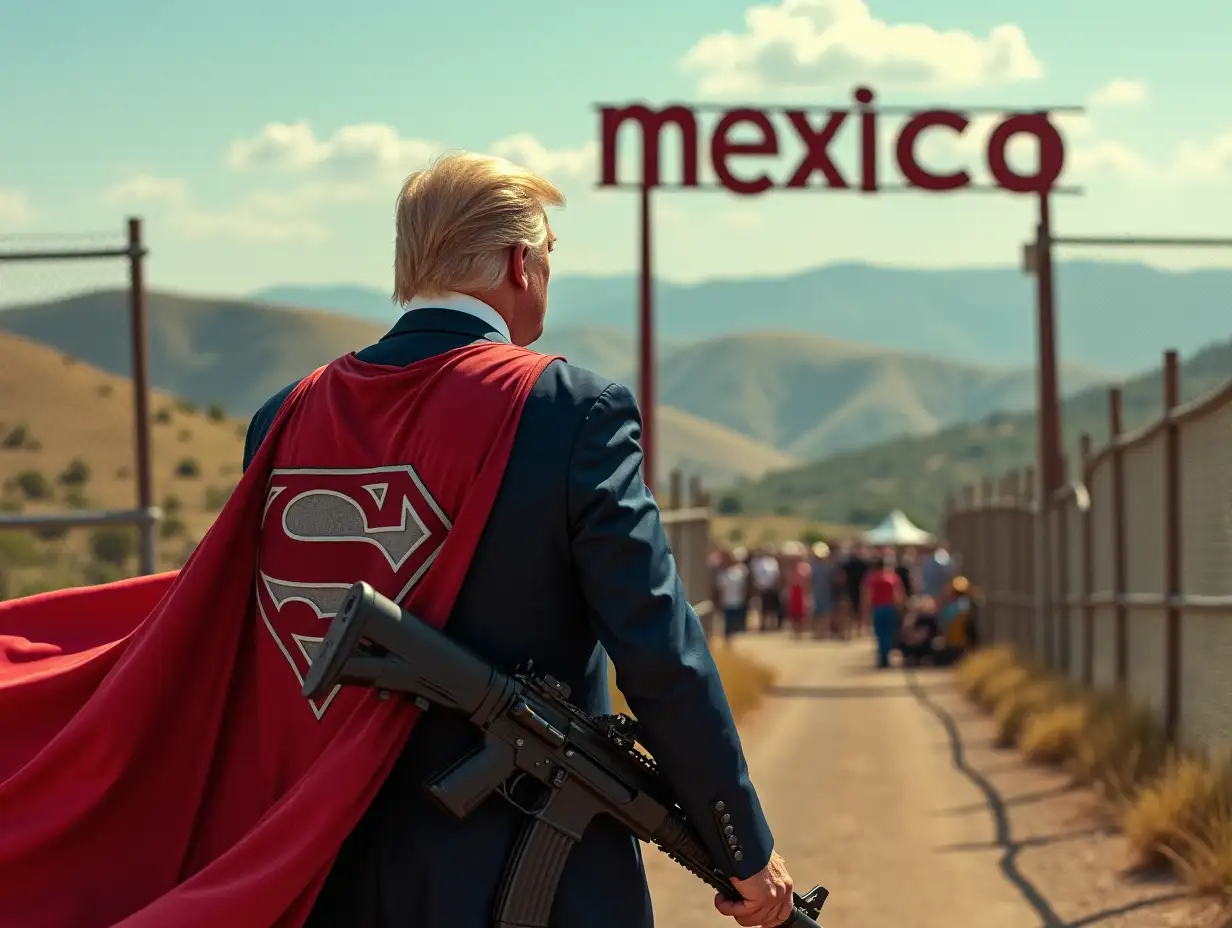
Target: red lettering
868 140
1051 154
817 144
652 123
904 150
817 141
722 148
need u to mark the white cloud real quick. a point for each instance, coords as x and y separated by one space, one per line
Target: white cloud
742 218
813 44
1106 157
524 149
140 189
15 208
261 217
1205 161
365 159
1119 93
359 153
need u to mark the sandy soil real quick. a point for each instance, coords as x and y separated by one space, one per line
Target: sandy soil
884 787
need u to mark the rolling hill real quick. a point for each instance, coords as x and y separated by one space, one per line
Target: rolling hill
812 396
1112 315
787 396
55 409
916 474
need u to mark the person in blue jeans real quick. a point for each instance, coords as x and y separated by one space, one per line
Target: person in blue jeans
882 600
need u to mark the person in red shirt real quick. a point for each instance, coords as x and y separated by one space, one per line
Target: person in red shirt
882 599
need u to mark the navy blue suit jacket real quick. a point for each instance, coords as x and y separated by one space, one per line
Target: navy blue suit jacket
573 566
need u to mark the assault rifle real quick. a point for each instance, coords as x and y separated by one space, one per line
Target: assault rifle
549 759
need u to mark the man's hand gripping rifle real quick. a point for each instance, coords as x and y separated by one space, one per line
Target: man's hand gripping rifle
545 756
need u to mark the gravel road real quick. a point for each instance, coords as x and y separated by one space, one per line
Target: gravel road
884 787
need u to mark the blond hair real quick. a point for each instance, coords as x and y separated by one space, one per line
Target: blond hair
457 218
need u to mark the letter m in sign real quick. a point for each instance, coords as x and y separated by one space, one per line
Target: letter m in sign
323 530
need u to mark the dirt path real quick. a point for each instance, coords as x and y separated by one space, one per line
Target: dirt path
884 788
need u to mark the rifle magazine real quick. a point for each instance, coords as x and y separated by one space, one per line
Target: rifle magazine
532 877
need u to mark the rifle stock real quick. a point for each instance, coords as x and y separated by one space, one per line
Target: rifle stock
575 766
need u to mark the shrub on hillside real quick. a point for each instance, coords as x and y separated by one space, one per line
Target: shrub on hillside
163 416
33 485
185 435
188 468
186 407
76 474
172 504
97 572
20 549
104 389
216 497
16 438
171 527
728 506
51 532
113 544
76 498
216 413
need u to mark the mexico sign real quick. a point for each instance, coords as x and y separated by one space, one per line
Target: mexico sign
745 132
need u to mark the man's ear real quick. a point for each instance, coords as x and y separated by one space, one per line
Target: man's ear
517 267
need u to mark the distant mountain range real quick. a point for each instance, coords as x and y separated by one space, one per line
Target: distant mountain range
917 472
731 407
1112 316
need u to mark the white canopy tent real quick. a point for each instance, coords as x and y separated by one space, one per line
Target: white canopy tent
895 530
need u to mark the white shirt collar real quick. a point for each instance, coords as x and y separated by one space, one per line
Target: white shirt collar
460 302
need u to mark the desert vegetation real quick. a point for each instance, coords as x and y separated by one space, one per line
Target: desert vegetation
1174 805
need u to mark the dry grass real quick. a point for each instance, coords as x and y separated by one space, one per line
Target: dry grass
1174 808
70 410
744 680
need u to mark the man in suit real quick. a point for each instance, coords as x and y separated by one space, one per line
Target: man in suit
573 567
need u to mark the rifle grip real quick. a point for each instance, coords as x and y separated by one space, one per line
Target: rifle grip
532 876
473 778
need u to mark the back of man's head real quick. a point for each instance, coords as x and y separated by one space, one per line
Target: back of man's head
457 219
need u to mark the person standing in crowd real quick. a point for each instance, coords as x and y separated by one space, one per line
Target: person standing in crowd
854 568
823 579
905 568
733 588
799 586
767 578
883 600
937 571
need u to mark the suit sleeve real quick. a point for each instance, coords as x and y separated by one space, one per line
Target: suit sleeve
642 617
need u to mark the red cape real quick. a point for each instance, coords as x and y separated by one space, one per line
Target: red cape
158 765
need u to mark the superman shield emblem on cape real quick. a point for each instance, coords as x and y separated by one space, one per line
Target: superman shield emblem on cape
325 529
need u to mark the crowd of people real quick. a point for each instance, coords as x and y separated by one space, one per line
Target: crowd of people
912 601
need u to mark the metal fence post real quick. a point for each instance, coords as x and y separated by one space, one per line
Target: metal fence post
1117 463
1172 546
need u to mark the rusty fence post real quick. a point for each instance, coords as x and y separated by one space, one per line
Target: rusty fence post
141 393
1172 544
1014 561
1117 451
1088 568
988 544
1062 507
1027 537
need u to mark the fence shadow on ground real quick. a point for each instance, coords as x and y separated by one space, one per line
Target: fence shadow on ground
1010 847
845 692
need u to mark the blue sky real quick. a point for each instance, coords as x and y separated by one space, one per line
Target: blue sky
143 108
